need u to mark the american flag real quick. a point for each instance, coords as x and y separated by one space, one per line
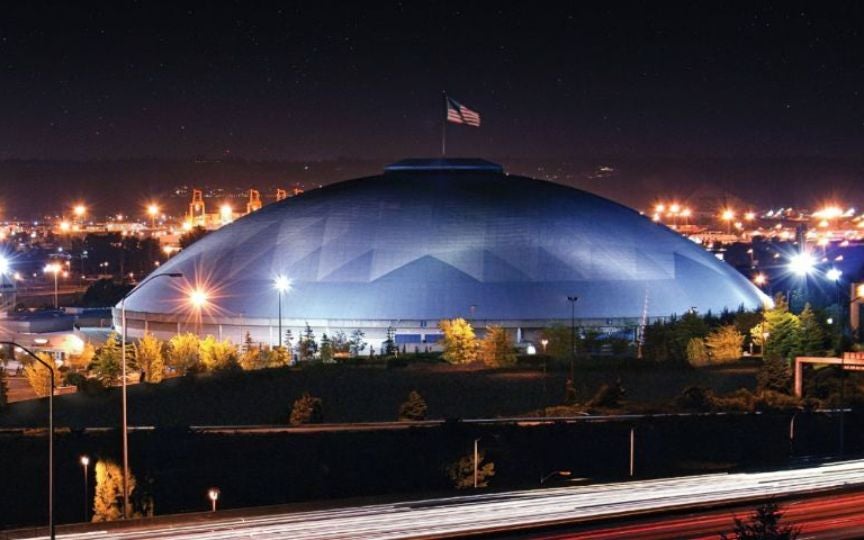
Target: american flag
460 114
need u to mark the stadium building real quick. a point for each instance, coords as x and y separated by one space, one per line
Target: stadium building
428 240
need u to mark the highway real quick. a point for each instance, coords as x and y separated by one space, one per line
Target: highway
495 513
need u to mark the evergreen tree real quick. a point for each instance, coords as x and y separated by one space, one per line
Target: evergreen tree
389 347
106 365
784 329
764 525
357 343
495 348
774 374
414 408
307 346
307 410
326 349
248 344
288 339
108 496
460 343
812 335
4 387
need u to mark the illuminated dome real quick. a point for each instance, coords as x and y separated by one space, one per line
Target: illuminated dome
433 239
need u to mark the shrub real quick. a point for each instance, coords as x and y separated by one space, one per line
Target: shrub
695 398
608 395
724 344
217 355
495 348
460 343
183 353
697 354
307 410
414 408
461 473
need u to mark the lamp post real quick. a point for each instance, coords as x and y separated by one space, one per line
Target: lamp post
282 284
834 275
572 300
123 384
213 494
54 268
85 461
543 479
51 525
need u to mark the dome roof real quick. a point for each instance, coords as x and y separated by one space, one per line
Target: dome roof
431 239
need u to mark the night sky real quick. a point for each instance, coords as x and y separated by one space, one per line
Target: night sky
319 80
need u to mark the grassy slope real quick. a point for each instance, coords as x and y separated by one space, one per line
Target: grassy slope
353 394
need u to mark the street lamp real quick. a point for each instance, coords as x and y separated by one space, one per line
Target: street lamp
123 384
213 494
153 211
85 461
54 268
282 284
802 263
51 525
572 300
543 479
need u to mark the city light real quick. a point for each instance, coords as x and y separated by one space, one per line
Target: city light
4 265
79 210
282 284
198 298
760 279
226 213
65 226
834 274
801 263
749 216
52 268
153 210
728 214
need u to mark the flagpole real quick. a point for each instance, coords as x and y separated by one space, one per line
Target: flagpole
444 126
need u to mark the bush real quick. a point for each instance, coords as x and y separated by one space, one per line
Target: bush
775 374
414 408
697 354
307 410
461 473
695 399
608 395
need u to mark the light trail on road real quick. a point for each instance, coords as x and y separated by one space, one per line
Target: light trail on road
488 513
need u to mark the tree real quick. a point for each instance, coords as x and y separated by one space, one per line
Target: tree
764 524
461 472
81 362
248 344
148 354
104 292
106 365
357 343
39 376
307 410
195 234
559 341
495 348
307 346
414 408
4 387
697 354
774 375
108 496
288 339
183 353
812 334
326 349
460 344
724 344
339 341
389 347
217 355
783 328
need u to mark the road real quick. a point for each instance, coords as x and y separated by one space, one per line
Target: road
493 513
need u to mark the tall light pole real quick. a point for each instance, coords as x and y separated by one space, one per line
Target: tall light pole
213 495
834 274
123 384
85 461
572 300
51 524
282 284
54 268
